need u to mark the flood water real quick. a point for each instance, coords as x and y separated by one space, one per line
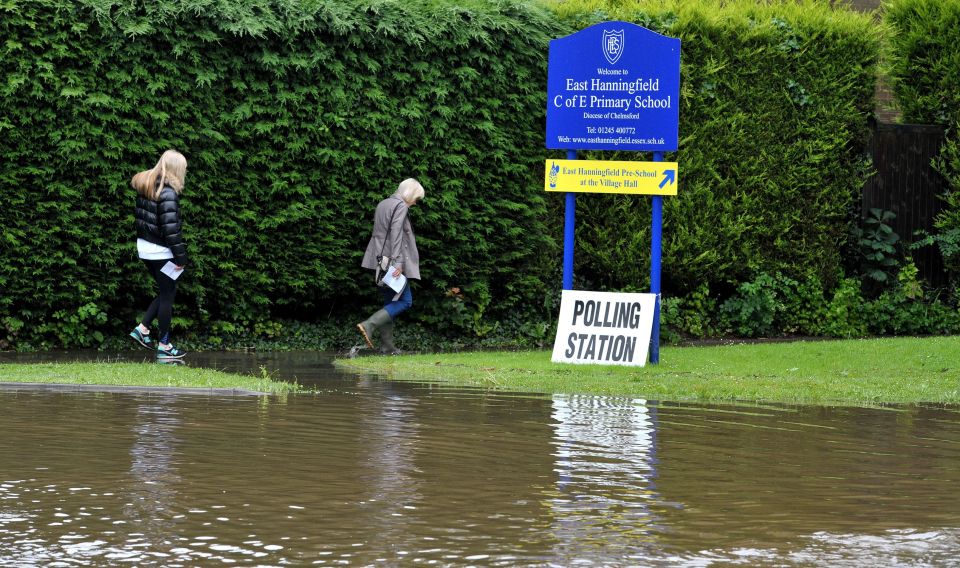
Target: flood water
368 472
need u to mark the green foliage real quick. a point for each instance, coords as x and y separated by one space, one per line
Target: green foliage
298 116
909 281
844 315
923 61
877 243
774 104
751 311
771 305
775 304
803 306
692 315
78 328
895 313
903 310
296 119
947 222
924 67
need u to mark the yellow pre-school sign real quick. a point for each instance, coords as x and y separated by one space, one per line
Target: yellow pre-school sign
599 176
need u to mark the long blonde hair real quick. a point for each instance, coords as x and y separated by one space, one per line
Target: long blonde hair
170 170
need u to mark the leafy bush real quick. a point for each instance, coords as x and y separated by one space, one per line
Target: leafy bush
296 118
777 304
803 306
751 312
925 72
692 316
845 311
922 58
947 222
877 243
903 310
770 305
774 105
893 314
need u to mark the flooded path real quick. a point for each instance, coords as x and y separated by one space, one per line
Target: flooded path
367 472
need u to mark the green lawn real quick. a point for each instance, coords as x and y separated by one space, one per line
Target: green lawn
857 372
137 375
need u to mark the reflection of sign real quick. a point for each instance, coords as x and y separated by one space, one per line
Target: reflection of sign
596 176
604 328
613 86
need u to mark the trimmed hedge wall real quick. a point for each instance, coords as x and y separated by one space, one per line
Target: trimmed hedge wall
297 117
924 60
775 101
925 69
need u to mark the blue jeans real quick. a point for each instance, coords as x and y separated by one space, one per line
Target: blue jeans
398 306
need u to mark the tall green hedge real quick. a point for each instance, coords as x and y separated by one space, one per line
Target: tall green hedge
774 105
924 59
925 70
296 118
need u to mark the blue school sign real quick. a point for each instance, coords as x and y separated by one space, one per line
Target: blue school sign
613 86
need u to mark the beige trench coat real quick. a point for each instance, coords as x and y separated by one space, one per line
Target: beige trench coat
401 244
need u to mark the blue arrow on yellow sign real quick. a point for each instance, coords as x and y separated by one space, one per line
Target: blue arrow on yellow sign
599 176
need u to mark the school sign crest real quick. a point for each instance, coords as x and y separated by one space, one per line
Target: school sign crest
612 45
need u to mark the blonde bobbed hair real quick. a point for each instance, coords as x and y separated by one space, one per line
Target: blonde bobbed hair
170 170
410 190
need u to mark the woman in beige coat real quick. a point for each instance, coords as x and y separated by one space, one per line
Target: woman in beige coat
392 244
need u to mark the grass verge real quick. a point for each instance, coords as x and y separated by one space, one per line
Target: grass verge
849 372
137 375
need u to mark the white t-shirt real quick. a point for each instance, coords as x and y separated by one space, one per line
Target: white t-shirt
151 251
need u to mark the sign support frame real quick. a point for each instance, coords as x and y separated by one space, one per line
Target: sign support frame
656 238
569 225
587 105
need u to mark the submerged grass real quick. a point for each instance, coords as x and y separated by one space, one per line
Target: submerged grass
137 375
858 372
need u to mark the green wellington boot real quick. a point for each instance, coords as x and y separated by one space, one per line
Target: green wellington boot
386 340
368 328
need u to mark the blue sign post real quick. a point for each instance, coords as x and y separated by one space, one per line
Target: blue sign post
569 222
614 86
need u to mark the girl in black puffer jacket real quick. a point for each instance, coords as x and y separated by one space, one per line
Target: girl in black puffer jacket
160 245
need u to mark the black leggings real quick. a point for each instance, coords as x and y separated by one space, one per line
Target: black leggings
162 306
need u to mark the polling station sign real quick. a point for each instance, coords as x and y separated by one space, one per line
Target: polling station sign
600 176
613 86
604 328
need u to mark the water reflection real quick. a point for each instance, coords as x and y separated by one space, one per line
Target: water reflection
153 471
365 472
606 472
393 493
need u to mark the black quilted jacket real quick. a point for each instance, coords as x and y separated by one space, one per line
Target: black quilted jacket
159 222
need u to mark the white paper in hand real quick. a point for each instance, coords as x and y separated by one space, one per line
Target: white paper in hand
170 269
396 283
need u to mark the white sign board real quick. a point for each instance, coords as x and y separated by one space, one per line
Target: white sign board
604 328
